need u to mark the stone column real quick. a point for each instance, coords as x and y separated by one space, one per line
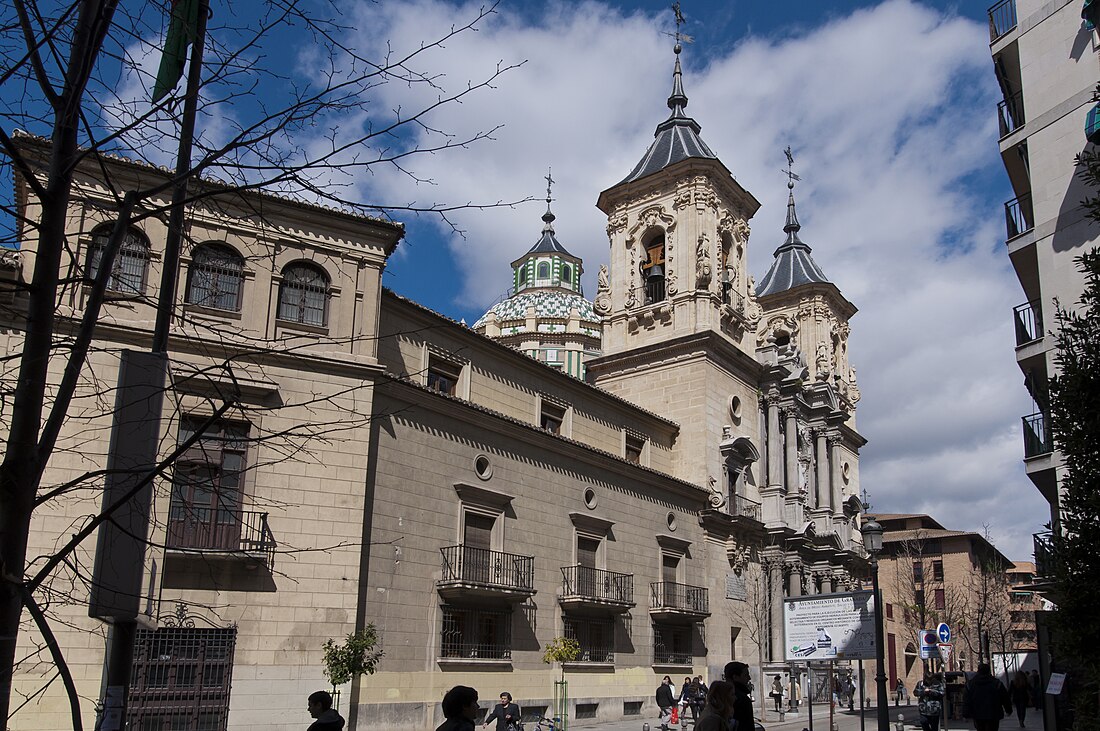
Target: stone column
826 583
791 437
775 588
775 459
794 579
821 492
835 476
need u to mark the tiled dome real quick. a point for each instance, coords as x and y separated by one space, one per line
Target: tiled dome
547 304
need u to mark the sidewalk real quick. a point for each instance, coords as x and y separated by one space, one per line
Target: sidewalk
845 720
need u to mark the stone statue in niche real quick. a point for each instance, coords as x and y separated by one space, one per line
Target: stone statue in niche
805 458
702 262
824 361
602 303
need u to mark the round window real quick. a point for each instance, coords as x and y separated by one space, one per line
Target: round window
483 467
590 498
671 520
735 408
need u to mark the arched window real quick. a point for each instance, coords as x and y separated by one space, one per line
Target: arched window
303 295
544 270
216 277
131 264
653 270
566 274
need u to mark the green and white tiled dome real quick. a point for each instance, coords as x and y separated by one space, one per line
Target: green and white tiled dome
548 304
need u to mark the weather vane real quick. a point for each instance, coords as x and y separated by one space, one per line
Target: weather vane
680 37
789 172
549 182
866 504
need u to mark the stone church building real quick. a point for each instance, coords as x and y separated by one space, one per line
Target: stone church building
648 473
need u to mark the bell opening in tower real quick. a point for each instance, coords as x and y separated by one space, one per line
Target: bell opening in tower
653 270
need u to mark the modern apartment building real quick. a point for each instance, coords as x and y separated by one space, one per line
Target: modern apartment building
1046 62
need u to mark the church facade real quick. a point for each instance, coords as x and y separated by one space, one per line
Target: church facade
470 501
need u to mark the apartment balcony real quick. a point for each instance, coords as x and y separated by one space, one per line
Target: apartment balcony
1002 19
672 602
478 573
1028 319
1010 114
220 533
1037 439
1043 547
586 588
1018 216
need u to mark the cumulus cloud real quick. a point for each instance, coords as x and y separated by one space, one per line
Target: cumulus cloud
889 111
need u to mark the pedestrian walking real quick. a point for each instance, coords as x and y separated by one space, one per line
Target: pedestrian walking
718 708
698 697
930 692
986 700
461 709
1036 689
665 702
777 693
737 674
1021 694
685 696
325 717
506 713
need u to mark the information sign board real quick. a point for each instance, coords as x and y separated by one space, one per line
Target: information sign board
830 626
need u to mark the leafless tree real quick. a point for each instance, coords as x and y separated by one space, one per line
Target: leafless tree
753 616
75 73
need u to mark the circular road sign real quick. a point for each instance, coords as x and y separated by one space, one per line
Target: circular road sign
944 632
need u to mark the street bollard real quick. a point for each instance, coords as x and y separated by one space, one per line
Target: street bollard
900 725
645 726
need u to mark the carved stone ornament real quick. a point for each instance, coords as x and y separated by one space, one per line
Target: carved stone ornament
741 231
682 199
716 498
632 293
738 554
853 389
602 303
702 262
671 287
753 310
11 259
775 325
824 361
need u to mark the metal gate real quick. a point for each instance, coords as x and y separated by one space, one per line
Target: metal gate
181 678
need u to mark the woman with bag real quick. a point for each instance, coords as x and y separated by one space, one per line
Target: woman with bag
717 714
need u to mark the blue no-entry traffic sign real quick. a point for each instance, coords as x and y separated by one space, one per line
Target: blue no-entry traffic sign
944 632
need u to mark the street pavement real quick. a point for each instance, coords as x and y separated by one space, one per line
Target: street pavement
843 720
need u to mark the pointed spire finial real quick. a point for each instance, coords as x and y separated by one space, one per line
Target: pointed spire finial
548 217
678 99
792 226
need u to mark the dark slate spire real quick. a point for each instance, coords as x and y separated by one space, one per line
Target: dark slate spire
793 264
677 138
548 243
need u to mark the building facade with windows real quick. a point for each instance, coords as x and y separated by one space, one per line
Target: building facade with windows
348 456
1046 62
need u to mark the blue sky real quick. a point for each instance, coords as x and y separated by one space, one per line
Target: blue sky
889 107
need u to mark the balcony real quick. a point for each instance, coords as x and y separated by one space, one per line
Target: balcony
1010 114
1002 19
1037 439
213 531
742 507
478 573
1028 319
587 588
1044 552
1018 216
671 602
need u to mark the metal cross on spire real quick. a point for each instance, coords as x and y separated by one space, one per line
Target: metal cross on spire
789 172
679 36
549 182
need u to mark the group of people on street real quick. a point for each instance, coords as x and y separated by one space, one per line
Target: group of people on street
725 706
985 699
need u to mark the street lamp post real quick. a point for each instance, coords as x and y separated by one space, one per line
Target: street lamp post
872 541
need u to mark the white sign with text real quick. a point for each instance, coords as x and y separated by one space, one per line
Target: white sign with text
830 626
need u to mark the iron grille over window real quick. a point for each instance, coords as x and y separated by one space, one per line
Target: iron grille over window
596 638
671 644
131 263
474 633
181 679
206 488
215 278
303 295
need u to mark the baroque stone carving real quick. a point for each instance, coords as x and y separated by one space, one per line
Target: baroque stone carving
825 362
716 498
753 310
11 259
702 262
682 199
602 303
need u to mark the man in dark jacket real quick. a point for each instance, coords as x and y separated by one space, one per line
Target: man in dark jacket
737 673
986 700
665 701
320 708
506 713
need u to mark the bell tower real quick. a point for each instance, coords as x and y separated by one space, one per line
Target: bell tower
679 310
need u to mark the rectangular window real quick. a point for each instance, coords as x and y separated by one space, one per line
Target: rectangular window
596 636
552 417
443 375
941 600
672 644
918 597
475 633
670 568
634 447
477 543
937 570
889 610
181 678
918 572
207 479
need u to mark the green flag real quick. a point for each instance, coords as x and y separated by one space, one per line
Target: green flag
181 33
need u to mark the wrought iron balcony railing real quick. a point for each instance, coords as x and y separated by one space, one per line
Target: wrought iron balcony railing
1043 547
219 531
744 507
1010 113
1028 319
490 568
597 584
681 597
1018 215
1002 19
1037 439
